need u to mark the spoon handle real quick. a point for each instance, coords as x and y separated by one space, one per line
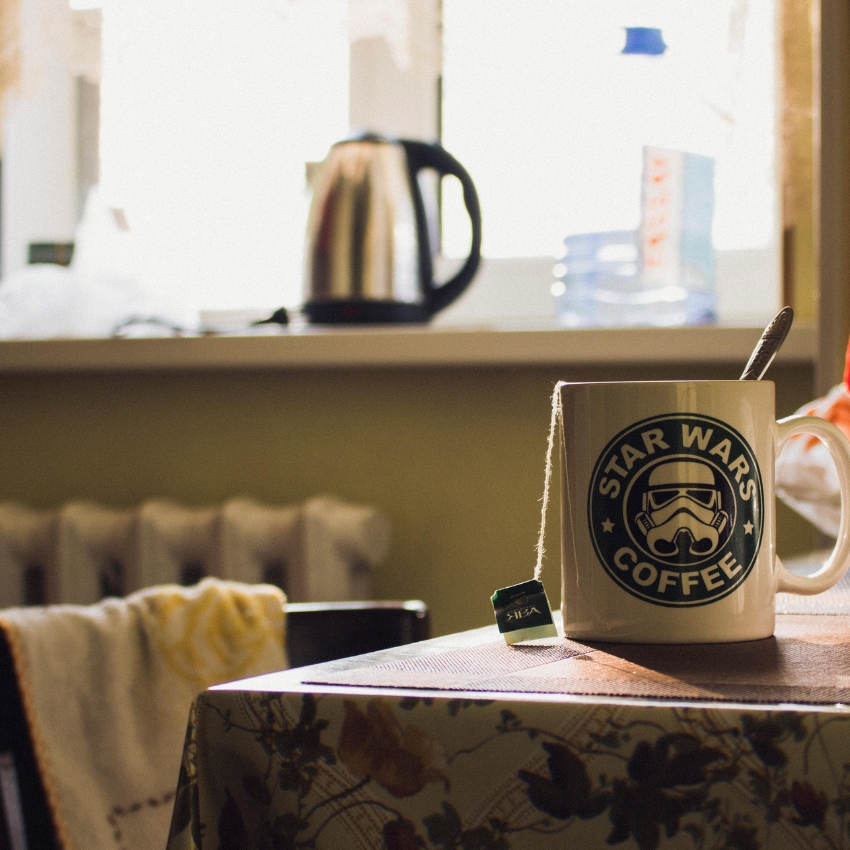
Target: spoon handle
770 342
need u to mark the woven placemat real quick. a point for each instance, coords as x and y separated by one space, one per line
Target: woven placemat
807 661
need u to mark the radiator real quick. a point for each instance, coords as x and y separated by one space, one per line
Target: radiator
322 550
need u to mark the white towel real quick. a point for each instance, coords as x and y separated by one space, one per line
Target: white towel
107 690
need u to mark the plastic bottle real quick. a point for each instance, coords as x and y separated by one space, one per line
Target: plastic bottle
655 266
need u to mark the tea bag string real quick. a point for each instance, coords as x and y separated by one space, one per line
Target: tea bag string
553 421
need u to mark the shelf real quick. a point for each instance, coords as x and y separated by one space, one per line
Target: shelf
400 347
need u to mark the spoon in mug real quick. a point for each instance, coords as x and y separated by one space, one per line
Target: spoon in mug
769 344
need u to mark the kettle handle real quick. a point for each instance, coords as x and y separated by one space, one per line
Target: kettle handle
424 155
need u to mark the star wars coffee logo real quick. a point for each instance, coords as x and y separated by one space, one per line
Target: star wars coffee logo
675 509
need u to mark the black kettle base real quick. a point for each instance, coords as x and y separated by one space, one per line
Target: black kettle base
353 312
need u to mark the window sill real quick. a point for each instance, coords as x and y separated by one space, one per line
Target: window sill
399 347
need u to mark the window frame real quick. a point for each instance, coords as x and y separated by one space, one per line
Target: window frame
832 210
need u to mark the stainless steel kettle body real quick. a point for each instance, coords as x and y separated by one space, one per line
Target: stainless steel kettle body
368 257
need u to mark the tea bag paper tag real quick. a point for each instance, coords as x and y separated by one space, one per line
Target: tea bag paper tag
523 612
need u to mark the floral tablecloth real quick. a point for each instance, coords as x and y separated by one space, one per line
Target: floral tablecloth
280 763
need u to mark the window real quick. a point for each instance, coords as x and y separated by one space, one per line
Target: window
550 115
210 114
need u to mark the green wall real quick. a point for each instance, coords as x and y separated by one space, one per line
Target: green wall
453 456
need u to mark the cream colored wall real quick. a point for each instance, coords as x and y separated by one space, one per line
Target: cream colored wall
453 456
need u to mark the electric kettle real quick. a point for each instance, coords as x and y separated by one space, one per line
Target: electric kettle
368 256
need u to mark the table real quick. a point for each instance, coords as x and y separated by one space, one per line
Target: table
461 742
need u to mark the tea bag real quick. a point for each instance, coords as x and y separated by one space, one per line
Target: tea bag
522 610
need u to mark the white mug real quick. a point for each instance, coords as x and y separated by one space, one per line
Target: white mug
667 510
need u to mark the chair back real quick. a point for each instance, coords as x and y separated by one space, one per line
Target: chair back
326 631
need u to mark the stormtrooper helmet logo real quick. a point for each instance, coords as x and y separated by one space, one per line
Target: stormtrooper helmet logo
682 510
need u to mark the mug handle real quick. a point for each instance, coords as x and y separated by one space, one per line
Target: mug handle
838 562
